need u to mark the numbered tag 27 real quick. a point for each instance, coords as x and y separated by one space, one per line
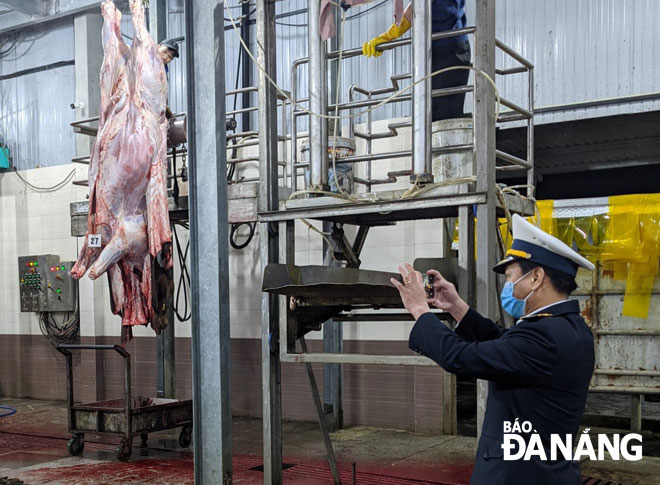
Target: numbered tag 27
94 241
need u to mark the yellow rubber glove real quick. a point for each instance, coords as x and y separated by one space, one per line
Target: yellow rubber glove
393 33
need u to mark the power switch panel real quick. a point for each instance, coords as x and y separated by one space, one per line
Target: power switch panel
61 288
32 271
46 284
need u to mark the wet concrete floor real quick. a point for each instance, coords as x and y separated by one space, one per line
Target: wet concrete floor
33 450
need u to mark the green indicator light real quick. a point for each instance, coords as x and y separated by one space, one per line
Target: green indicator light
36 263
59 291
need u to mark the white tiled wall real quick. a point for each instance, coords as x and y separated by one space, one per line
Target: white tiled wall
38 223
35 223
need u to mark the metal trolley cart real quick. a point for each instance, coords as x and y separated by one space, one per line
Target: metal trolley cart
127 417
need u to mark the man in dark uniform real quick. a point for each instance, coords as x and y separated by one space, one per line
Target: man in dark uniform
453 51
168 50
538 371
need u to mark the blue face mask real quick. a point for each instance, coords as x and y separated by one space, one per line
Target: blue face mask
512 305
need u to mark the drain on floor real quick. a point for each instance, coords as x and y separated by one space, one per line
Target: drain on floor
597 481
260 468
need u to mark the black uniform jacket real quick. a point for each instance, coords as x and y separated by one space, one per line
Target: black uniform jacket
538 371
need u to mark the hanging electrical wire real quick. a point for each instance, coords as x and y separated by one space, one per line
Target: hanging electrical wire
64 332
54 188
11 47
184 277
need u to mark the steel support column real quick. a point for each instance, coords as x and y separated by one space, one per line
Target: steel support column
246 67
421 126
318 100
165 343
209 241
269 242
333 331
158 19
333 342
484 150
165 358
88 58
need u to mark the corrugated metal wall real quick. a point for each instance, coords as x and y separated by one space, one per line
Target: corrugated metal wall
34 108
582 50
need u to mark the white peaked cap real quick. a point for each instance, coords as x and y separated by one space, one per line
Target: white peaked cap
533 244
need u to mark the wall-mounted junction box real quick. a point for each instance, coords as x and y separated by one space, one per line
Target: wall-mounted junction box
46 284
4 157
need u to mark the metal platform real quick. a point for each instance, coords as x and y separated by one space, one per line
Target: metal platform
329 286
80 210
382 213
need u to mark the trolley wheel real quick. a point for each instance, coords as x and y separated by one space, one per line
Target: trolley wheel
185 437
124 450
75 446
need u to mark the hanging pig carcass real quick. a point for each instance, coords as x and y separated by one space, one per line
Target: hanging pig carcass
128 207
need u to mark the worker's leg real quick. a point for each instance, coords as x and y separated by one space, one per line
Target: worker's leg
454 54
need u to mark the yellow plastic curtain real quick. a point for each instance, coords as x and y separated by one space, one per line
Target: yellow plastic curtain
626 241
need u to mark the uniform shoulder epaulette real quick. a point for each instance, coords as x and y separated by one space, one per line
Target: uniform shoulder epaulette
538 315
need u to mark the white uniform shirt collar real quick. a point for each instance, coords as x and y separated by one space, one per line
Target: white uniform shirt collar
540 309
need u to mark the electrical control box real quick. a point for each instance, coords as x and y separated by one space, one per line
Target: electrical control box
4 156
46 284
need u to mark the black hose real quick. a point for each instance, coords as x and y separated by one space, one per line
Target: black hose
232 234
184 278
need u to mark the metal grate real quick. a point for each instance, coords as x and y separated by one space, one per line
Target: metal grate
260 468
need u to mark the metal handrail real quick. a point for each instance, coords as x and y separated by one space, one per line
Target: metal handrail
519 109
514 54
397 154
507 157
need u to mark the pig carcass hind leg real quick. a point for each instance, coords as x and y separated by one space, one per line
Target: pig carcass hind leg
117 288
112 253
87 256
